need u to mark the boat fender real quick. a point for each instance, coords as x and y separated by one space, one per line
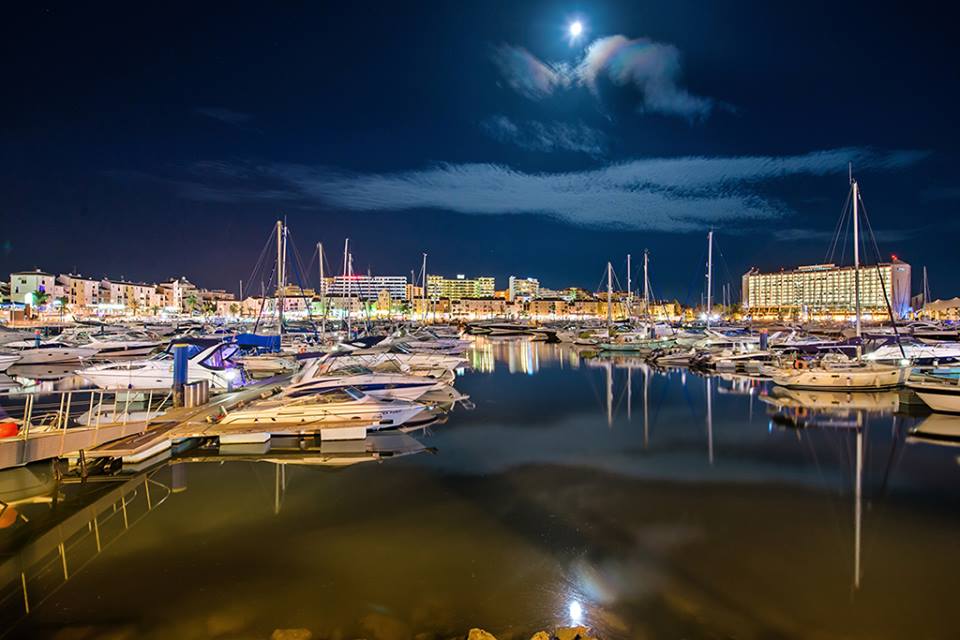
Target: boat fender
8 429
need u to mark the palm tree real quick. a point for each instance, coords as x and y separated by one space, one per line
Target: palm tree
235 309
62 301
40 298
191 302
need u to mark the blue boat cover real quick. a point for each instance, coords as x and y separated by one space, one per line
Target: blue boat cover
266 343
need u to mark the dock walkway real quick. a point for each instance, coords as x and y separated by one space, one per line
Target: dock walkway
123 438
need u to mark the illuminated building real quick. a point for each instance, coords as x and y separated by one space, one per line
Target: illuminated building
459 287
366 287
827 290
523 288
24 283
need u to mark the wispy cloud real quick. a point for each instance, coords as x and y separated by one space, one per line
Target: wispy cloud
665 194
652 68
526 74
225 116
822 235
546 136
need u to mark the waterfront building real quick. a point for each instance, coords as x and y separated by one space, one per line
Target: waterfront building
227 308
413 292
941 310
24 283
176 293
460 287
79 290
477 308
523 288
367 287
429 307
827 290
121 294
548 307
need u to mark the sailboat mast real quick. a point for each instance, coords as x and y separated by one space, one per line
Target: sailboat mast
346 276
609 299
709 276
323 293
281 245
423 294
646 283
629 289
856 257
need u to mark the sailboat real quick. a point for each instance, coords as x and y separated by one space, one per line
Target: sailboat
840 373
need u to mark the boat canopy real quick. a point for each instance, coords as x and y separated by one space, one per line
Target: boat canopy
253 340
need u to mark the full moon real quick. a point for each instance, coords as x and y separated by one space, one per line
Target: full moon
576 28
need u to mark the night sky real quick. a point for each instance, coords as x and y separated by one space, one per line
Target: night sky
150 142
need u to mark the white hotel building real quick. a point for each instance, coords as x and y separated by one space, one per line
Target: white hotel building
824 290
365 287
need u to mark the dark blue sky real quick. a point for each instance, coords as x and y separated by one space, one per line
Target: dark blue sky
150 142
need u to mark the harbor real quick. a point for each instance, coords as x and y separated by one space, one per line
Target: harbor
533 509
479 321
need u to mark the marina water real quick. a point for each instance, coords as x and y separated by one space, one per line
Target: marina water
577 490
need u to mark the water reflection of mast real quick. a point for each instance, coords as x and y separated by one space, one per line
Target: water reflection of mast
858 503
630 394
279 487
646 415
609 369
709 382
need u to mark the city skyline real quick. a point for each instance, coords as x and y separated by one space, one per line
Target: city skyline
491 140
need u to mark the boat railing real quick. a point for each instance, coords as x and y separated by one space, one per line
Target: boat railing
48 412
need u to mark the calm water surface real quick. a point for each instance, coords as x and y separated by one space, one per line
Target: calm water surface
644 504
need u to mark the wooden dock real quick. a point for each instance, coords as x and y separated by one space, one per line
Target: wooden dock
123 438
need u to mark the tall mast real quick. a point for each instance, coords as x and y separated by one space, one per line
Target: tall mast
709 275
280 263
424 292
856 256
609 300
629 288
646 283
323 293
346 276
926 287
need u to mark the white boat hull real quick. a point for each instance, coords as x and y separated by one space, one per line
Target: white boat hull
868 378
940 397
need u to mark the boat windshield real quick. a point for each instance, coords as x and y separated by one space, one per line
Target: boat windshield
333 396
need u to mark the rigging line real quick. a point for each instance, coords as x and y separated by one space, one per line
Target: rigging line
309 268
831 249
263 302
698 277
603 279
725 265
883 286
297 266
258 265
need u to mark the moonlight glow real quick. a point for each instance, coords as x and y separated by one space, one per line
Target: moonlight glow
576 28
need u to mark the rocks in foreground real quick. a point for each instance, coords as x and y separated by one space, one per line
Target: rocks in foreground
561 633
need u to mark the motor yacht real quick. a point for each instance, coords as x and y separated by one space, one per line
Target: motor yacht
209 360
50 351
941 394
394 386
916 353
332 406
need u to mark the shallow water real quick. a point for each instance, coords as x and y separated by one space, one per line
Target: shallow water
644 504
